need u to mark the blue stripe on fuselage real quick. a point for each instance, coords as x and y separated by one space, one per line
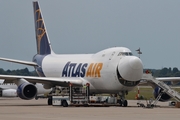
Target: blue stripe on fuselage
82 69
70 70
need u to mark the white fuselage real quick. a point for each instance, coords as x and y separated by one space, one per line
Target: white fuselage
100 69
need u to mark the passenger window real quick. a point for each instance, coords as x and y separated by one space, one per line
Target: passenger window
119 54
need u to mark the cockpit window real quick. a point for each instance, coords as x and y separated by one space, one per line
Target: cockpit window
125 54
130 54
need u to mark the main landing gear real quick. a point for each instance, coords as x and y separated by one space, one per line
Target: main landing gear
122 100
49 101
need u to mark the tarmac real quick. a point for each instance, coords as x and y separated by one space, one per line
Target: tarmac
15 108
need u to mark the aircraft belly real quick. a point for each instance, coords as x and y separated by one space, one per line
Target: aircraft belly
108 83
103 85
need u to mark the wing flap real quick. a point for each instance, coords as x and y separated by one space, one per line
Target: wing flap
176 79
44 80
19 61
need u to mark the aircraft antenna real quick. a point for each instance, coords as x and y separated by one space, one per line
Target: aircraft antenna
139 52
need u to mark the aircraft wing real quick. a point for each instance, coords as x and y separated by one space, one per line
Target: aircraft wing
168 79
52 81
146 80
149 76
19 61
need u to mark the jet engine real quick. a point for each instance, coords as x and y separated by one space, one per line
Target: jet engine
9 93
165 97
27 91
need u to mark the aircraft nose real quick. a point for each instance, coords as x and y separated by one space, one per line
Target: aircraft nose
135 63
130 68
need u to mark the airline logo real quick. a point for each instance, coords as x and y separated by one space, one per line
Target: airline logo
82 70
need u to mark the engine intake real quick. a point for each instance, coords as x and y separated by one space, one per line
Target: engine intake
27 91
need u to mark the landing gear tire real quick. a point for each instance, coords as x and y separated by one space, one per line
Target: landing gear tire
120 103
125 103
36 98
64 103
49 101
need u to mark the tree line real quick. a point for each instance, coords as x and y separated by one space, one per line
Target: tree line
164 72
23 72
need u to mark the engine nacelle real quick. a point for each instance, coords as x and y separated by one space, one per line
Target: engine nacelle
9 93
165 97
27 91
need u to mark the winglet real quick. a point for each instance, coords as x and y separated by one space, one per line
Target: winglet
42 40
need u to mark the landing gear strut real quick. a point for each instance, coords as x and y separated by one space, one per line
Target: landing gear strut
122 101
49 101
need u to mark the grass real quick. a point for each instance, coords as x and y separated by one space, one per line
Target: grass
147 93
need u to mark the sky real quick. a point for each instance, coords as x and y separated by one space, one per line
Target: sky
88 26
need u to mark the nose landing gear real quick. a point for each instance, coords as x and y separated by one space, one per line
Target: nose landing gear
123 102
